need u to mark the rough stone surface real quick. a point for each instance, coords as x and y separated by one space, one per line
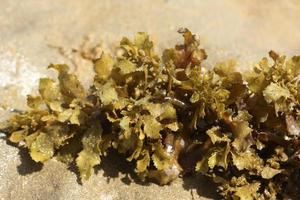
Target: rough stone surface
228 29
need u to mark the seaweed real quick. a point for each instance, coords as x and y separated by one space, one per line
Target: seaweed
169 115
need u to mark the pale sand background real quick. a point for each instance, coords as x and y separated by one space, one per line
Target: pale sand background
228 29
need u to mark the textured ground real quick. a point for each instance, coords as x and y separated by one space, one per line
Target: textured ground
228 29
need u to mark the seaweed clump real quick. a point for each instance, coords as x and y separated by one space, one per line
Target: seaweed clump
170 115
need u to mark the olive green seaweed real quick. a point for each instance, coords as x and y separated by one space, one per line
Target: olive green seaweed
159 112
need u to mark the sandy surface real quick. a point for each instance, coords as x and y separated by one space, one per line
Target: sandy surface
228 29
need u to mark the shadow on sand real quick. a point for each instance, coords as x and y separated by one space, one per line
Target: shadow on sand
116 166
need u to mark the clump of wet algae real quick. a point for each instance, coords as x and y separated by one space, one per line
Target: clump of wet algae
169 115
